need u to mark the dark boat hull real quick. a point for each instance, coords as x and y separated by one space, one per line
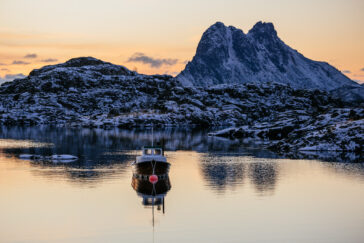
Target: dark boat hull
151 167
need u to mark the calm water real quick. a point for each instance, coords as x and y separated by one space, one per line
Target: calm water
221 191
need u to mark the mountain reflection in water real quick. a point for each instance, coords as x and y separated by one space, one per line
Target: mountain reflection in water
106 154
227 172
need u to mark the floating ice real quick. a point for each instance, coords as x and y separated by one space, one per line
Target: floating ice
63 158
56 158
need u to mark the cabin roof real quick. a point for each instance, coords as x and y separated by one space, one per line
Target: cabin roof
152 147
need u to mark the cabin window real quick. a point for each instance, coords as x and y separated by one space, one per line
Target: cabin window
158 152
147 151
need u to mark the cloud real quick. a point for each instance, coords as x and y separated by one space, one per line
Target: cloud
2 64
49 60
30 56
362 69
346 71
153 62
16 62
11 77
4 69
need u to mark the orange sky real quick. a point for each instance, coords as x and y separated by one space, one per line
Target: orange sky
114 30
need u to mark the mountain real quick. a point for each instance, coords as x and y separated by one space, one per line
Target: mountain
227 55
87 92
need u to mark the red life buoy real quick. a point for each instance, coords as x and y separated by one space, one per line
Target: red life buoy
153 179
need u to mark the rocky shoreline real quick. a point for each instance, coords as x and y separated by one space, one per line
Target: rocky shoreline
339 129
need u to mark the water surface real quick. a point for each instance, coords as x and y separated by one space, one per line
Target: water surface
221 191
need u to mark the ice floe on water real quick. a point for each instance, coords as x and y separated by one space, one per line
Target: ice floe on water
55 158
63 158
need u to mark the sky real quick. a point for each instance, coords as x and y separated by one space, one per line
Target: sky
160 36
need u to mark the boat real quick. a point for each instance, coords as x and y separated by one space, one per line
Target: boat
151 162
150 178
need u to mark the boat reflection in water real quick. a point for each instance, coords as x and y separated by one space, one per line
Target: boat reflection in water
152 193
150 178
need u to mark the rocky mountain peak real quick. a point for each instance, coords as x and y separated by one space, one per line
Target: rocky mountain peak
79 65
263 29
83 61
217 26
214 34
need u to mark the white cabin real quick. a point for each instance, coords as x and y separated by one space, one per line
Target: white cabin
151 154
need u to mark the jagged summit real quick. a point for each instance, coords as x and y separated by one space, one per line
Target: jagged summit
218 25
219 28
227 55
263 27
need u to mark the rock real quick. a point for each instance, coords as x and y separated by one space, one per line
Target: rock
92 93
334 130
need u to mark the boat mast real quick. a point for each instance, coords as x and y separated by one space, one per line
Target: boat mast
152 136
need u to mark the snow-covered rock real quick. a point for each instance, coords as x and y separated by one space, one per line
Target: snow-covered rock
349 93
227 55
91 93
334 130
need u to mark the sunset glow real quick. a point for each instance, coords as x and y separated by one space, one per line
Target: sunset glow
38 32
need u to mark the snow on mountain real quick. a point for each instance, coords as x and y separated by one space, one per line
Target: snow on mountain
227 55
